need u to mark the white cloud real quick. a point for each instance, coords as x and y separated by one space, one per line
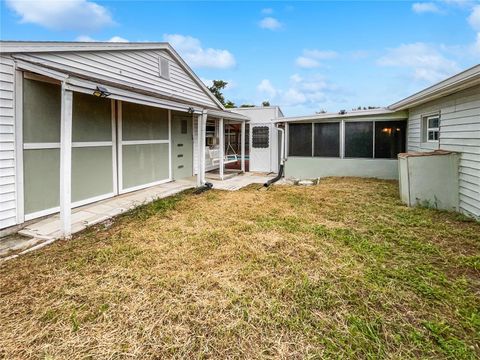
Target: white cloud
62 14
266 87
312 91
117 39
86 38
425 61
196 56
311 58
306 62
474 18
270 23
267 11
476 45
425 7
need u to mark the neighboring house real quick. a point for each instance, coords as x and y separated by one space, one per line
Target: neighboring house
444 116
81 122
263 137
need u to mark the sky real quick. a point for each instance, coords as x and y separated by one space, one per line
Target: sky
303 56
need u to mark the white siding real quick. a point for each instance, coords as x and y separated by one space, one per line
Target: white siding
8 211
134 68
460 132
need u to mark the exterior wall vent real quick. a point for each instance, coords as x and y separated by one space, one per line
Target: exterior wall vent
164 67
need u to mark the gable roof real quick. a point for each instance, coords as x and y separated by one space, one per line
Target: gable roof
16 47
460 81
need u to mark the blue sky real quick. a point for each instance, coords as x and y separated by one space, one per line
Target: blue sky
303 56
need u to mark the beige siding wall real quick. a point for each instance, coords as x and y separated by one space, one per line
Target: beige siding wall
135 68
460 132
7 143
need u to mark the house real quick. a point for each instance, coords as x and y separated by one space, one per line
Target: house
264 139
82 122
445 116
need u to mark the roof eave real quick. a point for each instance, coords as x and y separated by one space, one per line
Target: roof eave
461 81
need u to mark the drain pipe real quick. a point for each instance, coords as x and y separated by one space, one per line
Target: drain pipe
282 159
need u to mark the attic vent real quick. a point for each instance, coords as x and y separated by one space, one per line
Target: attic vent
164 67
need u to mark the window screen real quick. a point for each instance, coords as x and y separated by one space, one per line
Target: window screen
389 139
260 135
327 140
359 139
300 139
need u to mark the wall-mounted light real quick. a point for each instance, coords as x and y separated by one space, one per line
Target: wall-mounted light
191 110
100 91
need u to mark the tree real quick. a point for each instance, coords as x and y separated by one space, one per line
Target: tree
246 105
230 104
266 103
216 89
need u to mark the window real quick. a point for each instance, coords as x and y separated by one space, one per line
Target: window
389 139
260 135
431 126
359 139
300 139
184 127
326 140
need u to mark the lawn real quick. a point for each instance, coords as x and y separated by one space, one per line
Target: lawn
337 270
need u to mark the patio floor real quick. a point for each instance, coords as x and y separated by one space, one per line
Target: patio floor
47 230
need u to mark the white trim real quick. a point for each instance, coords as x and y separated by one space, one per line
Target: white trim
144 142
143 186
170 165
42 213
37 146
87 87
114 149
40 70
66 162
242 147
91 144
342 139
203 142
19 182
119 147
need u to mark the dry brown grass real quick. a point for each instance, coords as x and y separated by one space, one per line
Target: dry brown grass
341 269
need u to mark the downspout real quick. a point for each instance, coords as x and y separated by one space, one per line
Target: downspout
282 159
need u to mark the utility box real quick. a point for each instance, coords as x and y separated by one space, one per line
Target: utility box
429 179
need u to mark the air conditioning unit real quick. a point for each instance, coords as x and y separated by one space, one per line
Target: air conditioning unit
429 179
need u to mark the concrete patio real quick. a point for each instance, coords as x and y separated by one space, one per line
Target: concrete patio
46 230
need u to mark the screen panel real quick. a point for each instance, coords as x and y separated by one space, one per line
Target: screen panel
41 112
91 118
300 139
390 139
359 139
140 122
144 164
326 140
92 172
41 174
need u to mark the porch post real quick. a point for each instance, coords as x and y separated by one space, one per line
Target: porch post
204 143
199 150
66 162
221 153
243 147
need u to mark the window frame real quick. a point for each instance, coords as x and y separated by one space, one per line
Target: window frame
427 129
